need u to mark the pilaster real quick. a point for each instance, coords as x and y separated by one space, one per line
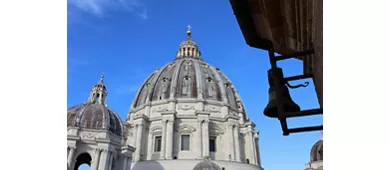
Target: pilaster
164 138
205 137
140 129
72 150
96 159
169 145
150 146
237 146
168 127
204 119
103 159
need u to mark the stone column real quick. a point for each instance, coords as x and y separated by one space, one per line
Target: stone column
251 148
125 159
254 150
95 161
231 154
257 148
150 146
111 160
72 149
129 159
103 159
108 160
169 144
164 138
237 142
205 137
137 155
198 144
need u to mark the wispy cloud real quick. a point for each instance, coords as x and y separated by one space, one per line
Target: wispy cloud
103 7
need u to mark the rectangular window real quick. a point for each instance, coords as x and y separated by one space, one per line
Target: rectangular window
212 144
185 142
157 144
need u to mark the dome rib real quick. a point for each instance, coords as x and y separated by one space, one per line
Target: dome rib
175 77
199 84
143 91
80 114
140 90
220 84
316 151
165 77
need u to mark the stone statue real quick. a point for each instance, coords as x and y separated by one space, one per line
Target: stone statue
186 85
163 88
211 90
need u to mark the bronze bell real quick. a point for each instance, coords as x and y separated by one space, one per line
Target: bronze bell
288 104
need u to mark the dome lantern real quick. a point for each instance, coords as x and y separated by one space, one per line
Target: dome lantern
188 48
98 93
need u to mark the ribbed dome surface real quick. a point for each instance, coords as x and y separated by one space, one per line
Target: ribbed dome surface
94 116
188 78
316 153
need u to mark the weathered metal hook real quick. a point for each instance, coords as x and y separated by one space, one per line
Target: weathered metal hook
297 86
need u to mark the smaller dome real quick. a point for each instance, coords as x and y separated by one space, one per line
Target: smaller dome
95 116
206 164
316 153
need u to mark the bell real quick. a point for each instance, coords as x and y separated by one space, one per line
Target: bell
287 103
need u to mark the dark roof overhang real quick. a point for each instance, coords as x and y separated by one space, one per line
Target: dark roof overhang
285 25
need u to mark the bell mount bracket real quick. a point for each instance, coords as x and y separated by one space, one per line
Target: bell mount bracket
282 116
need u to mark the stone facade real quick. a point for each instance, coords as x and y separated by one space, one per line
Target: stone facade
184 112
187 110
95 135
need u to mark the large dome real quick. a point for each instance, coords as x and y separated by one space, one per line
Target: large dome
94 114
188 110
188 77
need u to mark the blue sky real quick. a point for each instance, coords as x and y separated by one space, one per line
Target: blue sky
129 39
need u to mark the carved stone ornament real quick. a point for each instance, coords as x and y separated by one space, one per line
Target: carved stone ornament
160 109
88 135
213 109
186 107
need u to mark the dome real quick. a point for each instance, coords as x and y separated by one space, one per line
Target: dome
188 78
94 114
206 164
316 153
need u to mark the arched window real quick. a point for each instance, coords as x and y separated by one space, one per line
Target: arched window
83 162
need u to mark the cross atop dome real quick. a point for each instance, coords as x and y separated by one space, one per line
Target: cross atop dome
189 30
102 78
